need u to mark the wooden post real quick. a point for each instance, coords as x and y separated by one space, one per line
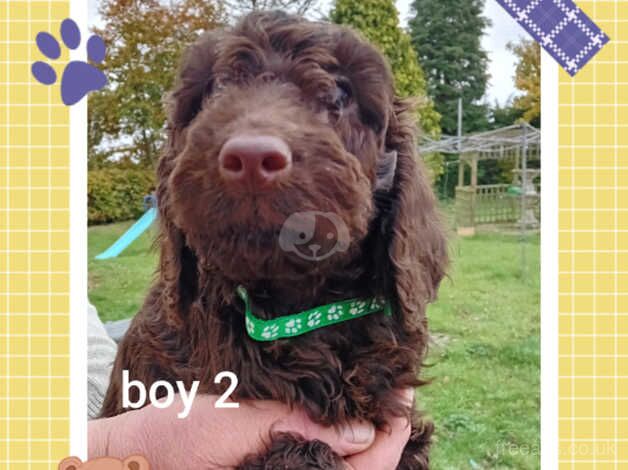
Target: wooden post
469 230
461 172
474 171
465 198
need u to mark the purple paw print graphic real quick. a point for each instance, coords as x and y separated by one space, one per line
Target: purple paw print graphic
79 78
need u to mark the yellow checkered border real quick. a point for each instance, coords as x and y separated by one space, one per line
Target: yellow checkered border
34 245
593 252
34 241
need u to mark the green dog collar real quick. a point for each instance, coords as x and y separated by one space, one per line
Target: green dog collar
309 320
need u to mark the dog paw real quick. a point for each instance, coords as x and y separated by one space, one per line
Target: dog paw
288 451
79 78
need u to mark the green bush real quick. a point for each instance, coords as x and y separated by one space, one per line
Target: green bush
117 194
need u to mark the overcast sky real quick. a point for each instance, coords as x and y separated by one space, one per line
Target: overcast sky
502 63
503 30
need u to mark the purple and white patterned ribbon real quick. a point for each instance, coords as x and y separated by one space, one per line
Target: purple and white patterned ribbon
561 28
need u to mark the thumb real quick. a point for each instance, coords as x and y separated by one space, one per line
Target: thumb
349 439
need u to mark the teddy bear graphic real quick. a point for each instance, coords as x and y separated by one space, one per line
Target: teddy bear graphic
135 462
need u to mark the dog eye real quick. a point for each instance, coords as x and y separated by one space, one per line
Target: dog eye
220 83
342 94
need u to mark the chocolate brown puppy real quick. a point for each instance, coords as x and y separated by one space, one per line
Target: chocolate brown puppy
291 170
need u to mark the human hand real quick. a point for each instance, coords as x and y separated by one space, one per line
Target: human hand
213 437
388 446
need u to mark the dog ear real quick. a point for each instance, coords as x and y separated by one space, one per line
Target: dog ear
195 80
416 241
178 264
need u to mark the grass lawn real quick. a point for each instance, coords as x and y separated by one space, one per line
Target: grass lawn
485 362
485 394
117 286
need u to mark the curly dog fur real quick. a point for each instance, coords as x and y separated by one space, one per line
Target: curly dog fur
330 96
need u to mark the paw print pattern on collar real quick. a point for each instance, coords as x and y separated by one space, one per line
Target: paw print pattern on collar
309 320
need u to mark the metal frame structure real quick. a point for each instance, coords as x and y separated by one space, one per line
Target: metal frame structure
477 204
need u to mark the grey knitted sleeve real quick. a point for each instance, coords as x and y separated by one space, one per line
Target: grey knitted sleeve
101 352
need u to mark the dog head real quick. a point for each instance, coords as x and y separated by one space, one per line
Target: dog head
289 156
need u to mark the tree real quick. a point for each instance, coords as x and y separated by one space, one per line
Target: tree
145 39
528 80
378 21
447 37
504 116
301 7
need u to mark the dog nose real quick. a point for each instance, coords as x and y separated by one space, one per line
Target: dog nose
254 160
